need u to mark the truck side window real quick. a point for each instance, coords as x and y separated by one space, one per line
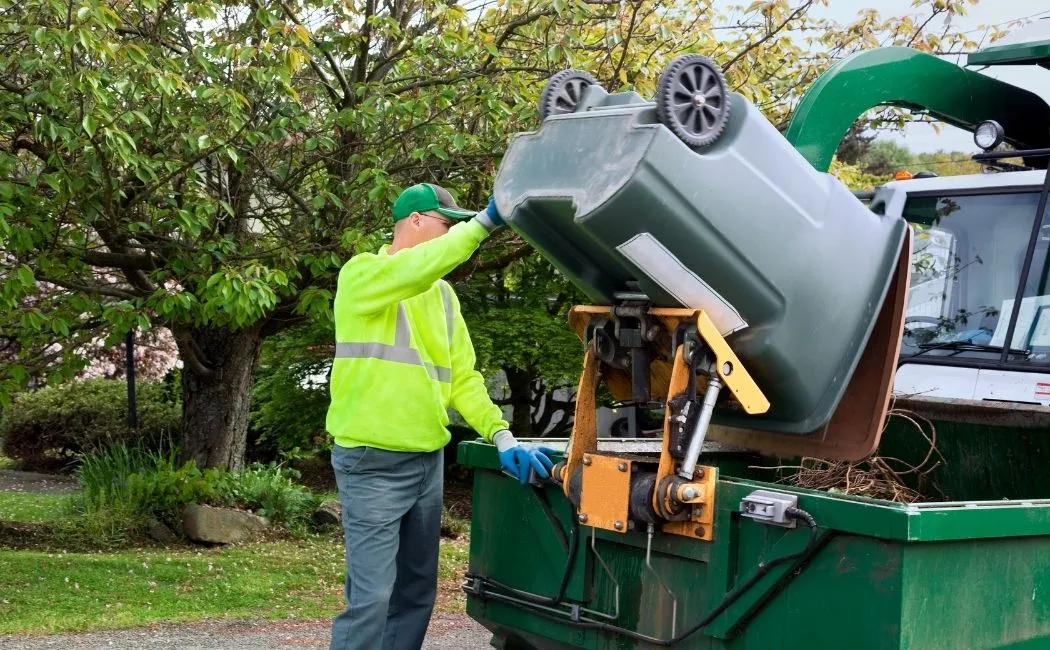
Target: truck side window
1032 331
968 251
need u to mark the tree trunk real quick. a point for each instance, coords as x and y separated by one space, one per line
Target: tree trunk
547 407
520 384
216 402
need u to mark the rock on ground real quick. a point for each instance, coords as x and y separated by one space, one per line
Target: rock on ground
328 514
220 525
447 632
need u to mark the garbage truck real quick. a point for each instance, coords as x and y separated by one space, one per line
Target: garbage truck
780 341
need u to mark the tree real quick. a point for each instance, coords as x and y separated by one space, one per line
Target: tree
222 163
946 163
207 166
855 144
886 157
154 354
290 394
518 320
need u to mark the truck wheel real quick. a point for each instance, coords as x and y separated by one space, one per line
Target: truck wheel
691 100
563 92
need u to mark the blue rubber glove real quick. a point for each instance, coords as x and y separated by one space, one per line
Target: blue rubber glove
493 213
490 216
517 459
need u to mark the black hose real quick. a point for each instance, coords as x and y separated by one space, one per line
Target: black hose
541 496
816 541
570 562
763 569
571 546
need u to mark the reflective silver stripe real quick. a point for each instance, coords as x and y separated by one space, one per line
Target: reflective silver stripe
401 351
446 298
377 351
390 353
402 333
439 373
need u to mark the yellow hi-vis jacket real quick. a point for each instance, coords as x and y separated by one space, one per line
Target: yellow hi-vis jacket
403 353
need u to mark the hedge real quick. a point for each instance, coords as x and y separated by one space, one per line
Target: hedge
50 428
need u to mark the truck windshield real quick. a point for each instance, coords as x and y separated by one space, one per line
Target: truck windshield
968 253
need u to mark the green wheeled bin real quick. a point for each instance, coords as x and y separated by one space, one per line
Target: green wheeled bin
707 207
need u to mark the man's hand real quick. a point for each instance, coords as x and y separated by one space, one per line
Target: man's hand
490 216
517 459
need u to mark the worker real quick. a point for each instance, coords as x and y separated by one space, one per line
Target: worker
403 357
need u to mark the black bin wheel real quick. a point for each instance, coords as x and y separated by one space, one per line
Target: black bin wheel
563 92
692 99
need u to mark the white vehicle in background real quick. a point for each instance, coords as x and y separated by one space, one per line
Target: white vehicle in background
978 249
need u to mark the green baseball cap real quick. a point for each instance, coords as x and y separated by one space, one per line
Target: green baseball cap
426 197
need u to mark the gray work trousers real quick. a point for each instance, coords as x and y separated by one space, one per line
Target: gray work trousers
391 504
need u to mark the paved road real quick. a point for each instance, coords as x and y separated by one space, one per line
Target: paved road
15 481
447 632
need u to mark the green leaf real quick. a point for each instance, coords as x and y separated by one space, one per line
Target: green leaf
136 54
142 118
89 124
25 276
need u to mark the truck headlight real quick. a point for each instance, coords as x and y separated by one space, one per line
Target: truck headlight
988 135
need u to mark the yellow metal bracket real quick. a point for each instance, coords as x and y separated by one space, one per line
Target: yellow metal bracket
686 504
584 437
700 508
606 492
729 368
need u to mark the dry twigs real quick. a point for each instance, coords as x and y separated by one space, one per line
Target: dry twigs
877 477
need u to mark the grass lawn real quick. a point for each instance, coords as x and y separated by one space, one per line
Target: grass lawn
44 592
60 592
32 507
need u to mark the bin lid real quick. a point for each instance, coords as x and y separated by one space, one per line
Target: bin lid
855 428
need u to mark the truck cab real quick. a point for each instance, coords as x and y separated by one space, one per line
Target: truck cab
978 247
980 267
